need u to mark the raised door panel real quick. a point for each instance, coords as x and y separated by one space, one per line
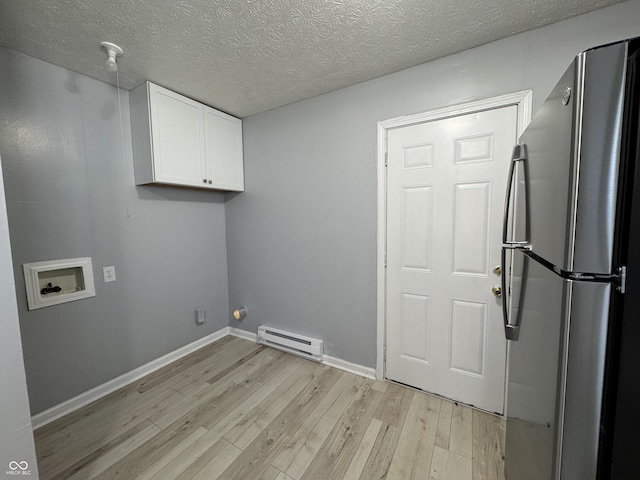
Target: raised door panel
177 136
468 337
471 228
417 227
415 323
223 150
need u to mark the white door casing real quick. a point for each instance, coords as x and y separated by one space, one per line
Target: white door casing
441 203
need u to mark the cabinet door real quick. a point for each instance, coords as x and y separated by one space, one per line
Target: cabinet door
178 152
223 147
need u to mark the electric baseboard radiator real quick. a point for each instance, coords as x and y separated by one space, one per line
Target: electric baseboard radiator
306 347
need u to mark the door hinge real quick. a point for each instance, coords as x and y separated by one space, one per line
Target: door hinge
384 360
622 279
386 159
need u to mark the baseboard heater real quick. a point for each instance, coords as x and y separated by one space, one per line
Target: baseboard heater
306 347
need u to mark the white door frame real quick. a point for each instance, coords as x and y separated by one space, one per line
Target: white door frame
522 99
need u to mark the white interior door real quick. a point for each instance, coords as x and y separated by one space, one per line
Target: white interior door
445 191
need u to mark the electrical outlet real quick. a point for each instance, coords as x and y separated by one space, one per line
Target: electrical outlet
201 316
109 274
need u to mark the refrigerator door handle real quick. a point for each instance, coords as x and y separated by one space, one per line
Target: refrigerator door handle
510 331
519 155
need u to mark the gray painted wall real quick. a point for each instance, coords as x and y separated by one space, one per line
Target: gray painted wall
302 238
67 197
16 438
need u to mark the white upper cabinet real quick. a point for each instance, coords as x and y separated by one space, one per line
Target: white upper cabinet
223 149
177 138
178 141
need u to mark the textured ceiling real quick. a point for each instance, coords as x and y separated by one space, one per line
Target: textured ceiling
247 56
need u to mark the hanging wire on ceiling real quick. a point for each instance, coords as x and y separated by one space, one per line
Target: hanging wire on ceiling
113 52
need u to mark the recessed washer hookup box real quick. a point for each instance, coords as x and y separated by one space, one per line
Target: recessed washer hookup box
58 281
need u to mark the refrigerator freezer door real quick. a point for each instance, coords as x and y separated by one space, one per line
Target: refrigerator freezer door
583 380
572 148
537 305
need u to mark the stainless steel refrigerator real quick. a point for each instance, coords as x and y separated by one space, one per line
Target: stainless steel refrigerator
571 305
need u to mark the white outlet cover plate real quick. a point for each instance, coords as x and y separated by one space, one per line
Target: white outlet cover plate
109 274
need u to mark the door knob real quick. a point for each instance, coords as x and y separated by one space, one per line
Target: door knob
497 270
496 290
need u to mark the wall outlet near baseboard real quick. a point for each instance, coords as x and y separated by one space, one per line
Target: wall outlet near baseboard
201 316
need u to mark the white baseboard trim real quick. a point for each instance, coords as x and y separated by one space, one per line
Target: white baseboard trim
236 332
47 416
350 367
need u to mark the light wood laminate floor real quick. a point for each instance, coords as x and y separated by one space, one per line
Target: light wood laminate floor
236 410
